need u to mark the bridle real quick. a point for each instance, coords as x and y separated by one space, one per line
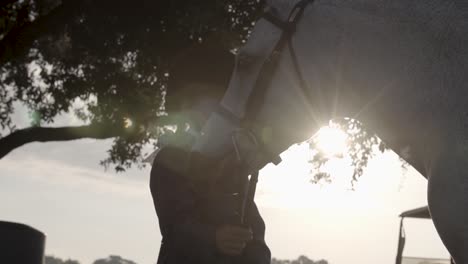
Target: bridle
257 95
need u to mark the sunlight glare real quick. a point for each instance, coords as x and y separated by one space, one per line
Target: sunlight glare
288 184
128 123
332 141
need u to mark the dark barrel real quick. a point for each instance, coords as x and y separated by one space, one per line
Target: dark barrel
21 244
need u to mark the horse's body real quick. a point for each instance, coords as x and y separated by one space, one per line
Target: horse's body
399 67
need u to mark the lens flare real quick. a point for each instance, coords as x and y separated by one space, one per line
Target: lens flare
35 118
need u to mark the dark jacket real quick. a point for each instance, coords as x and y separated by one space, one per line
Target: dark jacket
188 219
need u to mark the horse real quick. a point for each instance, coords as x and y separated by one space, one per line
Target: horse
399 67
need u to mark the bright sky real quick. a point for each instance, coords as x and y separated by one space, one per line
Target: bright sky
87 213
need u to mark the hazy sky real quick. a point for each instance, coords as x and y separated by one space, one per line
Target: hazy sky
88 213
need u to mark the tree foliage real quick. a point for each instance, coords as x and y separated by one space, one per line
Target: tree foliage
107 62
114 260
361 146
54 260
300 260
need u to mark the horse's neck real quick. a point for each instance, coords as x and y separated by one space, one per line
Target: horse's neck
367 60
387 64
353 53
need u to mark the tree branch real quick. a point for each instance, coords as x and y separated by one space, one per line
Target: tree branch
21 137
43 134
20 39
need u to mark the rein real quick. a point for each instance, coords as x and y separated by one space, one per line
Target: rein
256 98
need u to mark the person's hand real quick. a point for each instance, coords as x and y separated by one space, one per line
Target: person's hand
231 240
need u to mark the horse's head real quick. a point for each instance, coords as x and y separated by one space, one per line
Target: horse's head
262 111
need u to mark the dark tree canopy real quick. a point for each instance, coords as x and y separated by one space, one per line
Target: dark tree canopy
117 65
114 260
300 260
54 260
107 62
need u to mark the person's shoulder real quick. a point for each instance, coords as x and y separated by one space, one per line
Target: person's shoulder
171 151
171 158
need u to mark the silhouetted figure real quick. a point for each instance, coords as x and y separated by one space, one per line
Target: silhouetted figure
198 213
21 244
200 225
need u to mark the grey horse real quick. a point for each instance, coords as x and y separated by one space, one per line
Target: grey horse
400 67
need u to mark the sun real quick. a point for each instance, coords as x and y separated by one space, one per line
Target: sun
288 185
128 123
331 140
